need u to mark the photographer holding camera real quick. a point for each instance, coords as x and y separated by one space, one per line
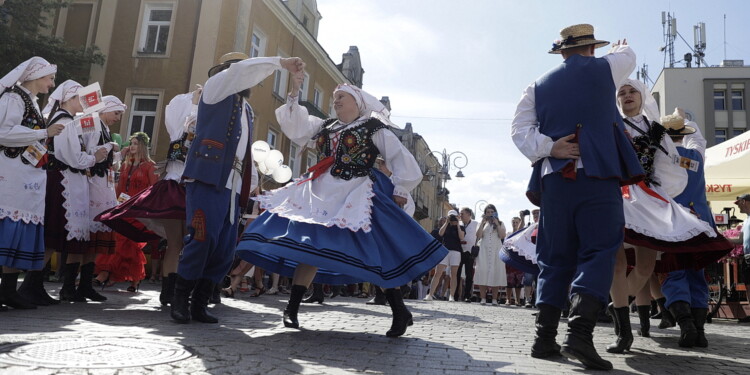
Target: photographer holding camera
452 235
490 268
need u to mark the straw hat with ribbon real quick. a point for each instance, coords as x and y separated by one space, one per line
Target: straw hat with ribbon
675 125
226 60
576 36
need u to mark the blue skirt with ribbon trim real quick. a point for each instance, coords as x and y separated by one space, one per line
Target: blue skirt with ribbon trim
397 250
21 244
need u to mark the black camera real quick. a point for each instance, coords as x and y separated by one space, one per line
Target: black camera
452 218
525 212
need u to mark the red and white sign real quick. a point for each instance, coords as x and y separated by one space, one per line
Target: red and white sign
91 98
87 124
721 219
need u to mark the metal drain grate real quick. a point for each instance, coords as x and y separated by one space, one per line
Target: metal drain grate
99 353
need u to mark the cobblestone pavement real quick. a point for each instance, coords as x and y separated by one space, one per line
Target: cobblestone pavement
341 336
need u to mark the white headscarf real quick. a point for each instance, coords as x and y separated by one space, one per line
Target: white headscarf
112 104
62 93
649 108
29 70
368 105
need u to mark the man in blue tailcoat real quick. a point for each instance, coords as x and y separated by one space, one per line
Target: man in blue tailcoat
568 125
216 168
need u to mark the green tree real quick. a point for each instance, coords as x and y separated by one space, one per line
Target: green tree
20 39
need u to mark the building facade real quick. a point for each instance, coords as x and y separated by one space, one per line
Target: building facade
713 97
429 196
156 49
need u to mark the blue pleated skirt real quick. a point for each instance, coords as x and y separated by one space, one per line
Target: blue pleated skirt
21 244
396 250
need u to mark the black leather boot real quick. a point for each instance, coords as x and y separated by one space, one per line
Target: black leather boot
684 317
317 294
579 340
167 289
199 303
611 313
699 317
402 318
215 298
624 335
547 321
292 307
180 305
379 298
655 313
644 316
85 289
32 289
667 320
68 290
9 295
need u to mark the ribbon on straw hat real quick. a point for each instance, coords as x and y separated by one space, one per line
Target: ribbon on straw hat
675 125
225 60
576 36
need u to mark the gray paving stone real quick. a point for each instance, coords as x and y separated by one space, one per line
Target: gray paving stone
344 336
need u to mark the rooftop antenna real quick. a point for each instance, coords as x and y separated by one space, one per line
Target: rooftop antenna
725 36
699 36
669 25
642 74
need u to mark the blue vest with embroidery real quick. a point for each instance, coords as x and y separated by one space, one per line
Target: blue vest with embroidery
578 96
217 135
694 195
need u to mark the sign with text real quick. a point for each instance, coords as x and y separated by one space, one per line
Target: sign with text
91 98
87 124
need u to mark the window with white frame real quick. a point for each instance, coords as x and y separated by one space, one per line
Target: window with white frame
155 28
720 135
331 111
257 44
738 102
317 98
280 81
311 159
303 88
271 139
143 114
294 159
720 102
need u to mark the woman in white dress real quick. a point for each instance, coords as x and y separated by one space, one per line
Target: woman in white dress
490 268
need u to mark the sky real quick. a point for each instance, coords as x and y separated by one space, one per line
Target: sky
456 69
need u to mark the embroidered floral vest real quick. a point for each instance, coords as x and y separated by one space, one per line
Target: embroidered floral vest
32 119
355 153
646 145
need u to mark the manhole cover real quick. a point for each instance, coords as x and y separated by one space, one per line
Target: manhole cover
92 353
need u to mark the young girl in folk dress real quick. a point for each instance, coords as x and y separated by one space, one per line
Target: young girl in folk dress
136 174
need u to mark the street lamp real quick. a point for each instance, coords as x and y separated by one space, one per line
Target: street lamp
479 206
455 159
